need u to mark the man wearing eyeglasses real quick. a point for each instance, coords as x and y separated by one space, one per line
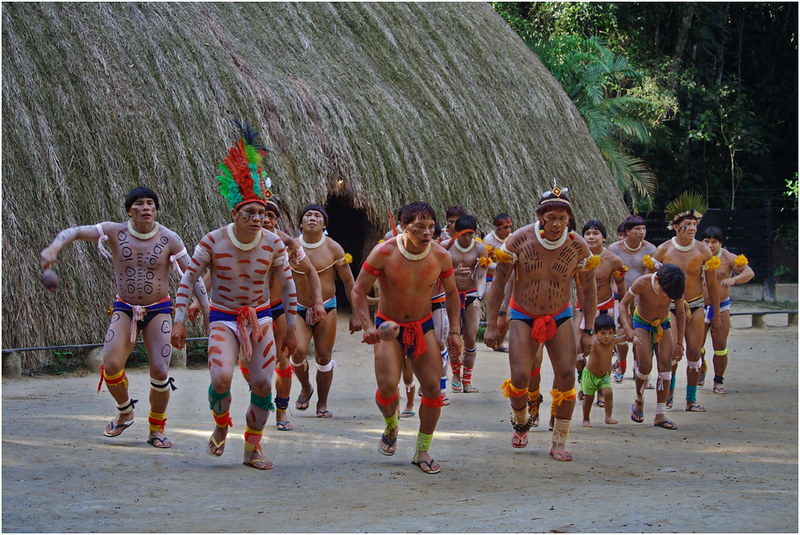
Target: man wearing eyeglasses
409 267
239 257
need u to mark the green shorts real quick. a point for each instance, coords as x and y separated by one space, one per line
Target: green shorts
590 383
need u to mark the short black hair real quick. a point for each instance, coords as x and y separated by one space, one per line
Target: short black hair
595 225
632 221
604 322
455 210
672 280
413 210
437 230
140 192
499 218
466 222
714 233
273 206
316 208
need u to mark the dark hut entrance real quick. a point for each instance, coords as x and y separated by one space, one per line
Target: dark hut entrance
348 226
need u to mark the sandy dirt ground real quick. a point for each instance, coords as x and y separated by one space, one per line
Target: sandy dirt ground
732 469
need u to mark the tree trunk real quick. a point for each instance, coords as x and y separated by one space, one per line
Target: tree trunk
683 32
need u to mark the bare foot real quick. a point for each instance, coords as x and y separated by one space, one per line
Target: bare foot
611 421
587 423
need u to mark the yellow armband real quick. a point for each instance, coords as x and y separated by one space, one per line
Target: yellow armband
617 274
648 262
591 263
740 261
504 257
484 261
712 263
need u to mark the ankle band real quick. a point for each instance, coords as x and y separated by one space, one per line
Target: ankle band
281 404
423 442
157 420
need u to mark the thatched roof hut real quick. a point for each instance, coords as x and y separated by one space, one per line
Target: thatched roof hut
365 107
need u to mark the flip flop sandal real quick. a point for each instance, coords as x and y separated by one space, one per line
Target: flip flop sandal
429 464
216 445
563 456
284 426
639 415
523 440
407 414
666 424
302 403
161 442
389 444
122 427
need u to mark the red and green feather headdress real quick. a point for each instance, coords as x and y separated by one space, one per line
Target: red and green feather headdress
243 180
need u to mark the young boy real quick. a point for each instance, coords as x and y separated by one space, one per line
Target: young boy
596 376
648 332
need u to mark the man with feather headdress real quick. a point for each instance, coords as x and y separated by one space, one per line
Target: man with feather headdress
239 257
695 259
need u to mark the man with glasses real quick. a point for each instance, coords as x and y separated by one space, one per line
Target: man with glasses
239 257
141 253
408 267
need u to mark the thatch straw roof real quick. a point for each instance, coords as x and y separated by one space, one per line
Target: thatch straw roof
440 102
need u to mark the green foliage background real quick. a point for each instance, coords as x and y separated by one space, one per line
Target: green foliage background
721 76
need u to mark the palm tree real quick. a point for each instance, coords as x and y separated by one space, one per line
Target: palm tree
599 83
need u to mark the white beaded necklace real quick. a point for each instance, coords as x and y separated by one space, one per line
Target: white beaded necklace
465 249
314 245
547 244
240 245
683 248
653 283
631 249
411 256
139 234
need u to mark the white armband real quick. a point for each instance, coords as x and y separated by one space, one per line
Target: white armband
103 250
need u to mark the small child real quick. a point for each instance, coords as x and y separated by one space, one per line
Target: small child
596 376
